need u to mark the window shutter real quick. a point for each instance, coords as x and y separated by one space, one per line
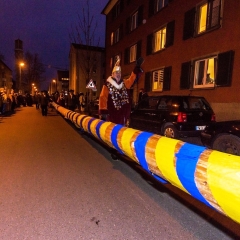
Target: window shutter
149 44
113 13
225 68
139 49
167 78
121 5
121 32
185 75
188 27
128 25
140 15
170 34
126 56
151 8
148 82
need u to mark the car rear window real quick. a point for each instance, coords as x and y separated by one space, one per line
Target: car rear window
195 103
148 103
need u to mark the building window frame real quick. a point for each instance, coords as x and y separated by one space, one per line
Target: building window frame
159 39
134 21
160 4
157 80
116 35
208 16
133 53
204 75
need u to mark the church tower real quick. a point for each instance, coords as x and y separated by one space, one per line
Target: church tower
18 61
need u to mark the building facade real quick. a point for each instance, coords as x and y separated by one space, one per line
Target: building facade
6 78
86 63
189 47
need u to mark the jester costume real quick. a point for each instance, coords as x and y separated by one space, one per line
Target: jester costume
114 99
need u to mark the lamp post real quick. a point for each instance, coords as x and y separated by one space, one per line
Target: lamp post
20 77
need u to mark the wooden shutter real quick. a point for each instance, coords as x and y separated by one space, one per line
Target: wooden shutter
225 68
189 21
185 75
140 15
148 82
151 8
126 56
149 44
170 34
128 25
167 78
139 49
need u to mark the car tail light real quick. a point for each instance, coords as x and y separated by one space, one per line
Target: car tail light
213 118
182 117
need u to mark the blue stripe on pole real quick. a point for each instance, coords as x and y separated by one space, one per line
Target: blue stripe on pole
98 129
139 145
114 134
89 124
187 159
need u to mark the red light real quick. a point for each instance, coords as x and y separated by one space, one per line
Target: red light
182 117
213 118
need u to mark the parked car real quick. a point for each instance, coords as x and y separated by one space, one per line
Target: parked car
222 136
172 116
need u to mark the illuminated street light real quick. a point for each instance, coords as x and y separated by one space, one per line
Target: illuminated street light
55 82
20 76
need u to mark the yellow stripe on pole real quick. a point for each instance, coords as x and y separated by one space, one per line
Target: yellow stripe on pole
166 160
222 172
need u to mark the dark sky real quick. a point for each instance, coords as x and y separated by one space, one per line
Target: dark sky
44 27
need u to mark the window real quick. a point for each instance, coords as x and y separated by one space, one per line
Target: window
117 9
157 81
112 38
204 72
134 21
156 5
160 4
116 36
160 39
208 15
133 53
208 72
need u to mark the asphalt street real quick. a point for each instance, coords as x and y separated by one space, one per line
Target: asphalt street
59 183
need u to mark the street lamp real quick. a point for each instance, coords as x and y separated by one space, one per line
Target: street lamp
20 77
54 81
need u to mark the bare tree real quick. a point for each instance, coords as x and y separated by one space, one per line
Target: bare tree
34 70
84 34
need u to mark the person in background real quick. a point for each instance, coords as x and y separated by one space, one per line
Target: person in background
71 100
81 102
114 100
142 94
44 103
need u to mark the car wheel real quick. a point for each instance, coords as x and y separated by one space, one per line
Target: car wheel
228 144
170 131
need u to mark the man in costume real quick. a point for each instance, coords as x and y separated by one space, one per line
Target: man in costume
114 102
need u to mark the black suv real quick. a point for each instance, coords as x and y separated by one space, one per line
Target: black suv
172 116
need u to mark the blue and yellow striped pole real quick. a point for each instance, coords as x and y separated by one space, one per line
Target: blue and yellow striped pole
210 176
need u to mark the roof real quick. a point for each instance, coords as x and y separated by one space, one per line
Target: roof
87 47
109 7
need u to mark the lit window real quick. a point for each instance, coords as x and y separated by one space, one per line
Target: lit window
157 84
160 39
209 15
112 38
204 73
134 21
133 52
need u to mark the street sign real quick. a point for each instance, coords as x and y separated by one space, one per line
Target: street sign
91 85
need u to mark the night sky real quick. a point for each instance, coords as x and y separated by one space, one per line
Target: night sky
44 27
